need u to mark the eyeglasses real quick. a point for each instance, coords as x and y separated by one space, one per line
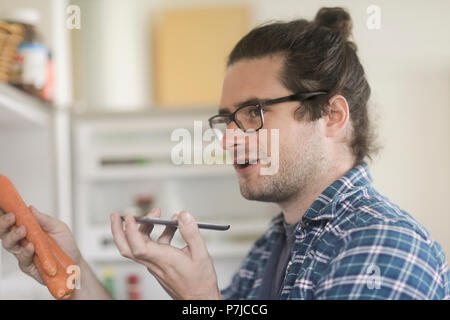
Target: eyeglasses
249 117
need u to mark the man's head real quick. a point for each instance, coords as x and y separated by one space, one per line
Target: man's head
282 59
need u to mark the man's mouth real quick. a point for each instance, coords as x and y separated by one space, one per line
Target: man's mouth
246 166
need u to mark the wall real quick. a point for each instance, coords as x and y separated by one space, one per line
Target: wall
111 56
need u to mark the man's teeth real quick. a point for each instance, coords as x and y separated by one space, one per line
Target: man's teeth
246 162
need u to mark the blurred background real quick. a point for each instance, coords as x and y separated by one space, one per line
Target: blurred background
91 90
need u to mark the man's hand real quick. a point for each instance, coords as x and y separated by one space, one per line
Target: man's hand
56 229
186 273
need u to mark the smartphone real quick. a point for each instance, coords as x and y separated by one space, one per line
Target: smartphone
174 223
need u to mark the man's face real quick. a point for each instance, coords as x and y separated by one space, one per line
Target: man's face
301 144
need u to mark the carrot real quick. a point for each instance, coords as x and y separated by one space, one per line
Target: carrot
59 288
60 256
11 201
57 284
49 259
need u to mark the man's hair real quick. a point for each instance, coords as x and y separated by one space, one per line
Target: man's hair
317 57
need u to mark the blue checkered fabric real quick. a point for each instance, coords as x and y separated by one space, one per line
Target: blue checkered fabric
352 243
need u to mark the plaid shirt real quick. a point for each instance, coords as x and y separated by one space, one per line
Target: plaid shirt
352 243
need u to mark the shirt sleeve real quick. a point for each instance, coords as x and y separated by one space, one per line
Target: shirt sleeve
385 262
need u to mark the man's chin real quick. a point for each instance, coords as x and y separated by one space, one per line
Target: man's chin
262 189
246 190
250 193
257 197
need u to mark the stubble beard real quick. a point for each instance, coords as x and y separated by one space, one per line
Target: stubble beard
297 172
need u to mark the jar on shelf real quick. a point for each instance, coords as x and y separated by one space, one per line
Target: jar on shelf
109 281
144 202
33 57
134 290
29 69
11 36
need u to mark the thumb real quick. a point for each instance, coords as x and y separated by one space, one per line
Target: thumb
191 234
47 223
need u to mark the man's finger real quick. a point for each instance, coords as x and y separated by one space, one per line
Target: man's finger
6 221
119 236
191 234
168 233
11 240
145 228
25 255
47 223
139 247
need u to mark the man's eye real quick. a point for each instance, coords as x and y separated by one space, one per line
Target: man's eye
253 112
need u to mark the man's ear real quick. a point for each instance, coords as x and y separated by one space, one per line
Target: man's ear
337 117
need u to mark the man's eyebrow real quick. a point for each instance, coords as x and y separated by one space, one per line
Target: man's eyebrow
224 111
249 101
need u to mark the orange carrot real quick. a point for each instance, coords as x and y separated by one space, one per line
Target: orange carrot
11 201
60 256
57 285
59 288
49 259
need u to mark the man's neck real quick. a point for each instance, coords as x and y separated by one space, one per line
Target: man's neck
295 208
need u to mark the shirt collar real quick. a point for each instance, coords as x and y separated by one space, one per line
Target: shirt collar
358 177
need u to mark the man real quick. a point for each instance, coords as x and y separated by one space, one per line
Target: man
336 237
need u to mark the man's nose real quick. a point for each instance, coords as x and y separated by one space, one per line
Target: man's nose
228 140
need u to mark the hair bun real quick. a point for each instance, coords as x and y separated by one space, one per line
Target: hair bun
335 18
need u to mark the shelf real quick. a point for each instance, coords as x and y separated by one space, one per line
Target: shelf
18 108
150 112
163 172
216 251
